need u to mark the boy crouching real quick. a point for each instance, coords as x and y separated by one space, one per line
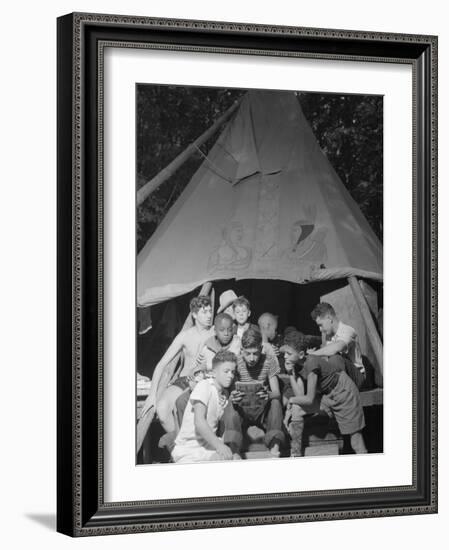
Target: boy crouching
340 396
197 440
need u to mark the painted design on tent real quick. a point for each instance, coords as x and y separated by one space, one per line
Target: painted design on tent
265 204
307 239
231 253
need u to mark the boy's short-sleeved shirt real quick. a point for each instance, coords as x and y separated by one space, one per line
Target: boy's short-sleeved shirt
265 368
348 335
212 347
327 372
207 393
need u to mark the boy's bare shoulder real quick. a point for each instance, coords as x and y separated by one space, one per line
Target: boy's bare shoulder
192 332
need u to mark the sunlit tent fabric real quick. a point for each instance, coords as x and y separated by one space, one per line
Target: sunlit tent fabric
265 204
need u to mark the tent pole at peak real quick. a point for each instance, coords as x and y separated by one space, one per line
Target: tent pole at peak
371 330
145 421
148 188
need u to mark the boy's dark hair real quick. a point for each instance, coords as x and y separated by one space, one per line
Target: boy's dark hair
321 310
198 302
289 329
241 301
296 340
252 338
221 317
224 356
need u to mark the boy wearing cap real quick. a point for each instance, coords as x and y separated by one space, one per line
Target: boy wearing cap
226 300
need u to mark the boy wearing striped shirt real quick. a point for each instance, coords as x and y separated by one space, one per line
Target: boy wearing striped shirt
263 408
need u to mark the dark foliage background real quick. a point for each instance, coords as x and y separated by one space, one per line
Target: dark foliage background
349 129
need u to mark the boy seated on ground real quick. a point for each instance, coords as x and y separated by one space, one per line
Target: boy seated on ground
197 440
342 343
223 340
190 342
326 374
263 408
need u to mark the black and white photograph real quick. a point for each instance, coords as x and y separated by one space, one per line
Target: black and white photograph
259 269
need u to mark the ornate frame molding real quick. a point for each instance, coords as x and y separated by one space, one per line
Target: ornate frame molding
81 42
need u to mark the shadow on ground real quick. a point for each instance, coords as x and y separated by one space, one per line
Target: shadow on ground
47 520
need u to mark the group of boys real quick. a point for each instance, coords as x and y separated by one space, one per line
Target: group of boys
236 374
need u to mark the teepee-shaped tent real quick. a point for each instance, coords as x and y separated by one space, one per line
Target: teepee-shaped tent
265 204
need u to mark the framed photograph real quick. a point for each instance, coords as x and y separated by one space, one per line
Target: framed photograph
246 274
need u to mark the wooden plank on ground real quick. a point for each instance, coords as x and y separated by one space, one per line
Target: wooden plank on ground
321 450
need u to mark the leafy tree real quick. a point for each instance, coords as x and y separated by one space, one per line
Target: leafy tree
349 129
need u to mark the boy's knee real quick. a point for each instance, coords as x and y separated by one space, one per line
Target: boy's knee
297 412
163 408
275 405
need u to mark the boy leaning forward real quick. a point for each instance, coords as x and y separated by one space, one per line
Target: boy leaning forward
264 409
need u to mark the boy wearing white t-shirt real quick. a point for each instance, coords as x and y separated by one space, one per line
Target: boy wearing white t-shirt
340 339
197 440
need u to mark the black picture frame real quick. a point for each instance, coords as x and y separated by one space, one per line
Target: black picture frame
81 510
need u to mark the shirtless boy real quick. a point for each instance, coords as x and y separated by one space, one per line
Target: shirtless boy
190 342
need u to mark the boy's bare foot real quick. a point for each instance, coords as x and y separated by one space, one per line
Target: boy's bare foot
236 456
274 451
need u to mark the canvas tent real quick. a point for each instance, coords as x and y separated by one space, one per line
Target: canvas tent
266 206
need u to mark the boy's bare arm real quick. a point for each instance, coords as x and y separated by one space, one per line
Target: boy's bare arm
297 385
201 361
330 349
274 392
308 398
205 431
175 347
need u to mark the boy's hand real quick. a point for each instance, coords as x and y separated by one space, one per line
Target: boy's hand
275 350
236 396
311 351
224 452
289 366
149 404
262 394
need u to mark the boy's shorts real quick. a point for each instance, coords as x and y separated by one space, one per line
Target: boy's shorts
183 382
185 455
343 403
